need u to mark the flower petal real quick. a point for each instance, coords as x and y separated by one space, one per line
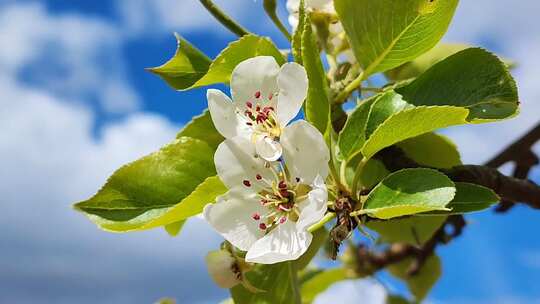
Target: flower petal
224 116
220 265
238 164
293 86
254 77
313 208
284 243
231 216
268 148
305 151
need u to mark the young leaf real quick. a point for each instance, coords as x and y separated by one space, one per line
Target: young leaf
421 64
181 77
409 191
411 123
412 230
174 228
297 36
191 205
317 107
353 136
474 79
154 182
385 33
277 282
201 127
470 198
431 150
320 282
421 283
187 66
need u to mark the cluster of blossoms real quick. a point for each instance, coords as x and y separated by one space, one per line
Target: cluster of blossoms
275 171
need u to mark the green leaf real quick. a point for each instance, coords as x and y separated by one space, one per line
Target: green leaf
474 79
421 283
187 66
387 33
412 230
191 205
409 191
353 136
432 150
186 69
201 127
277 281
421 64
174 228
145 188
470 198
386 105
411 123
297 36
317 108
320 283
371 174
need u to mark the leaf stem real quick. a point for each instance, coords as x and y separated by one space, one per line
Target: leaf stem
223 18
342 174
320 224
356 178
270 8
347 91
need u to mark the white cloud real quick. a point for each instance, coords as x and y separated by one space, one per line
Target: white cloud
363 291
70 55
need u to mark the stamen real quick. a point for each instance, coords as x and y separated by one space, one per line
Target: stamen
249 104
256 216
262 226
282 185
247 183
297 179
258 177
270 96
282 220
257 94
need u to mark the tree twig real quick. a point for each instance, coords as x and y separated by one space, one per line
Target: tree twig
227 21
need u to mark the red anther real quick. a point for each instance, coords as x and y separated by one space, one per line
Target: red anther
257 94
298 179
264 202
247 183
282 185
267 110
258 108
249 123
258 177
247 113
284 192
262 226
249 104
270 96
256 216
282 220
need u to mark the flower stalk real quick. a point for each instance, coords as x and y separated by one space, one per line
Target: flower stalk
224 19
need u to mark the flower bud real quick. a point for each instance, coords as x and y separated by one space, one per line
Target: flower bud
223 268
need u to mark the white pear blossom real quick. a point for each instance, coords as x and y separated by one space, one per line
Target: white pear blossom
265 98
270 205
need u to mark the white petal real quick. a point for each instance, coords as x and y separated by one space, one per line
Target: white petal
326 6
293 5
231 216
237 162
305 152
224 116
257 74
284 243
268 148
313 208
293 86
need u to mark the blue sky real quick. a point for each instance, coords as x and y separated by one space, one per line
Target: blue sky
76 103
